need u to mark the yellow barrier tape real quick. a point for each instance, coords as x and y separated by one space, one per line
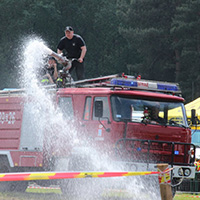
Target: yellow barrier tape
39 176
89 174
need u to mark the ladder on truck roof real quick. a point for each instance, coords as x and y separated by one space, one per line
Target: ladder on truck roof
98 80
128 82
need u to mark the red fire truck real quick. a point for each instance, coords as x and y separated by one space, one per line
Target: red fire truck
135 122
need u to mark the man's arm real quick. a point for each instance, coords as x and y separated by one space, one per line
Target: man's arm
59 51
55 75
83 52
49 77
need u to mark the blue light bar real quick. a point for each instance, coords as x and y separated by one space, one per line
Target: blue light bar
123 82
146 84
167 87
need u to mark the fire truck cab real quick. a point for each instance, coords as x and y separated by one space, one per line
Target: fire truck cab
134 121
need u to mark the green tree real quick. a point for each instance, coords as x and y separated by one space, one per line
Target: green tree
186 43
96 21
157 39
20 20
146 25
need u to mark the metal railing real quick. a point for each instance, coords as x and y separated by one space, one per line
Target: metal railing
153 151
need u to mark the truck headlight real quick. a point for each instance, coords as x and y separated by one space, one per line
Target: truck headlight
187 172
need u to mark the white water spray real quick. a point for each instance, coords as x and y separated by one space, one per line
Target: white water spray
41 115
34 55
45 117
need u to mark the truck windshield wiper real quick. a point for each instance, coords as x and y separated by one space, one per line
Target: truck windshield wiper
173 123
181 125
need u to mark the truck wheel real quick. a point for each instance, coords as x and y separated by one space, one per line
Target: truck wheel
77 187
70 186
175 181
174 191
18 186
4 185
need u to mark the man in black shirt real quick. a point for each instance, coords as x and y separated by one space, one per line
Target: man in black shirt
75 47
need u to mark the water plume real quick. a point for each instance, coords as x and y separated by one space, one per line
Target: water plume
44 118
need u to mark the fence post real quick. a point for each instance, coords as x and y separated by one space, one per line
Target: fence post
164 182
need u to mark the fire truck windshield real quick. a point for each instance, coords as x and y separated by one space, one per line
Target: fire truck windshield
146 111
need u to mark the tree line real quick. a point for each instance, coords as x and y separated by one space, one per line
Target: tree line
158 39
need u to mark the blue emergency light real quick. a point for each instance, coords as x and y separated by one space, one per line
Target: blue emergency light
123 82
176 152
146 84
167 87
139 149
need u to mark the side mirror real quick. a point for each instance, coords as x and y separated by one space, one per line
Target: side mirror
98 106
193 116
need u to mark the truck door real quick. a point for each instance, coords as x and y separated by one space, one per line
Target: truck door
66 107
97 130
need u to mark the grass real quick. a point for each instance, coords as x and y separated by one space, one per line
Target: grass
52 194
30 196
185 197
44 191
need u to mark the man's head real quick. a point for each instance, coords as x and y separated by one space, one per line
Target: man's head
51 61
69 32
155 111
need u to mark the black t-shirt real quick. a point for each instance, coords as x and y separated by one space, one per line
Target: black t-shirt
72 47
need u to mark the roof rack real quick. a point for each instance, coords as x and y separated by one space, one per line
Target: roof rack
115 81
128 82
9 91
98 80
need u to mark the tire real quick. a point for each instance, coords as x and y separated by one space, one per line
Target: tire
4 185
17 186
174 189
175 181
78 187
11 186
